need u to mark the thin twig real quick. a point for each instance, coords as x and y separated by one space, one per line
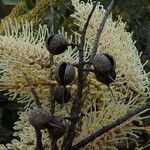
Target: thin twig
77 103
54 144
107 128
33 91
100 29
51 60
52 19
51 90
52 102
53 141
39 145
97 38
89 70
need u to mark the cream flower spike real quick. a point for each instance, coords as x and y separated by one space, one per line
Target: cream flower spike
25 30
116 41
23 49
26 51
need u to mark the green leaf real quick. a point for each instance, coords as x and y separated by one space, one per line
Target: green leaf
10 2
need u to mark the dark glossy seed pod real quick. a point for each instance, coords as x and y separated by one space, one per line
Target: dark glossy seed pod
65 73
56 44
106 79
59 130
61 94
39 118
103 63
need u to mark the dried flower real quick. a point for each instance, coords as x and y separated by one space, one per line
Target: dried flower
62 94
65 73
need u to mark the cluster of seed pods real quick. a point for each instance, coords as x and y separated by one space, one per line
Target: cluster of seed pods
104 68
65 72
41 119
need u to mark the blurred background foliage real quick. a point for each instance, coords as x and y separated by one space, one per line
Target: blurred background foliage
135 12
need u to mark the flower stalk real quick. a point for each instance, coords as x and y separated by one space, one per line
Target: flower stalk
78 102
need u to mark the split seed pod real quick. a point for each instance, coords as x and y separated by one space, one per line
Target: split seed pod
62 94
108 78
103 63
111 59
39 118
56 44
104 66
65 73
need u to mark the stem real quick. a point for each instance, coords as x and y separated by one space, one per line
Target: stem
77 103
51 59
52 102
89 70
51 96
97 38
52 19
39 145
53 144
53 141
33 91
107 128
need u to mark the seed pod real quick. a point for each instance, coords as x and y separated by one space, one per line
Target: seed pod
62 94
58 128
39 118
111 59
106 79
103 63
65 73
56 44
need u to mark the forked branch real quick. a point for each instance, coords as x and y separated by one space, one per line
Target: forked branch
97 38
77 103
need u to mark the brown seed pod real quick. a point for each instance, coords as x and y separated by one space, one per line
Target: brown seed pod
40 118
61 94
56 44
65 73
103 63
58 127
106 79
